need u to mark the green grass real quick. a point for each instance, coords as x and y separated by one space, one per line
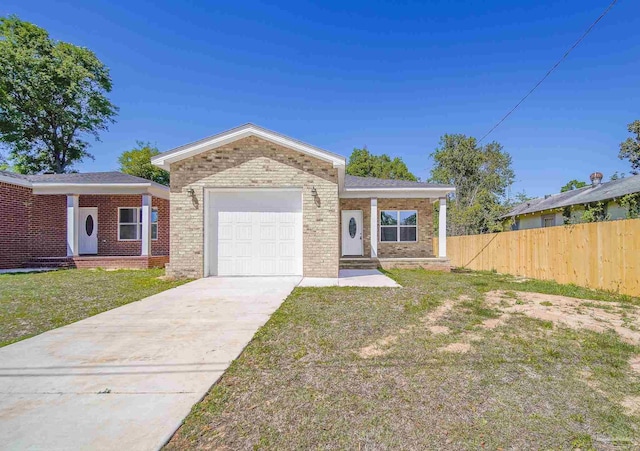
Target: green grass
527 384
32 303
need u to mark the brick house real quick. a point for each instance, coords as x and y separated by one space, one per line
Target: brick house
103 219
250 201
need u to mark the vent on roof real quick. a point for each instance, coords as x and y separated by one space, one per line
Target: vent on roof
547 196
596 178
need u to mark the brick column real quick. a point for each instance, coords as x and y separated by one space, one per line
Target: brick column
73 219
146 225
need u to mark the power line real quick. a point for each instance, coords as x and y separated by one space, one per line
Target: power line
584 35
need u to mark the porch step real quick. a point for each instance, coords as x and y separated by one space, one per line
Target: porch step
358 263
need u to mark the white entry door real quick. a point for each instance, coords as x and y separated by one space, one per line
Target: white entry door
352 232
88 230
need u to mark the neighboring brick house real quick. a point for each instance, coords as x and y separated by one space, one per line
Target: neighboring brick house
102 219
250 201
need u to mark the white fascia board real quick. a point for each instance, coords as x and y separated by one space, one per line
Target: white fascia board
15 181
100 188
396 193
165 161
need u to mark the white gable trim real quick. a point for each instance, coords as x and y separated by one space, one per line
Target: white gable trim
164 160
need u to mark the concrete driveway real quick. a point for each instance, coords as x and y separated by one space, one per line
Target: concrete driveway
125 379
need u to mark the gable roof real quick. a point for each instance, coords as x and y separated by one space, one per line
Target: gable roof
356 182
66 183
165 159
586 195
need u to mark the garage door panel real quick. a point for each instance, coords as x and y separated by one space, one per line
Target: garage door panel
259 243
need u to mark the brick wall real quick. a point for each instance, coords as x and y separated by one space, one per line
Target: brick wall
254 162
423 248
15 211
108 205
36 225
48 226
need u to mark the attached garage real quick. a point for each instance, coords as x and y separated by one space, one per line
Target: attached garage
253 232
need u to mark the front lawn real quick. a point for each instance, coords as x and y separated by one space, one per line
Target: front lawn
33 303
450 361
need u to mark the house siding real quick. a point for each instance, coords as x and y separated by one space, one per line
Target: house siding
34 226
253 163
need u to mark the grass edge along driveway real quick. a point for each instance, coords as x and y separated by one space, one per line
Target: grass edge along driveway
32 303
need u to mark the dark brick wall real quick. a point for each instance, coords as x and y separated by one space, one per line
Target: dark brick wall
108 243
15 211
36 225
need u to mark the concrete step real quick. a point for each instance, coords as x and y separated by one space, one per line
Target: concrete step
358 263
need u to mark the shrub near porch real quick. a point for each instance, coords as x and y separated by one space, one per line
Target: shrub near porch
443 363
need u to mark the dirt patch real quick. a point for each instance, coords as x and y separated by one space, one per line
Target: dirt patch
379 347
459 348
438 330
382 346
634 363
631 405
571 312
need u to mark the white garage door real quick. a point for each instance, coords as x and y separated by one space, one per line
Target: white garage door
256 232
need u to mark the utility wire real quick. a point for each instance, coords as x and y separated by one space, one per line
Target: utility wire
584 35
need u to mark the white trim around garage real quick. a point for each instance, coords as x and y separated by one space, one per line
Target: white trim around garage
230 202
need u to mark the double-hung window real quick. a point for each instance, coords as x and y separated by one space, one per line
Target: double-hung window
130 223
398 225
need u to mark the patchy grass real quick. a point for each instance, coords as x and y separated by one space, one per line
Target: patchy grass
438 379
32 303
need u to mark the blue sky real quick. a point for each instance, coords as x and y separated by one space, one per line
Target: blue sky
393 76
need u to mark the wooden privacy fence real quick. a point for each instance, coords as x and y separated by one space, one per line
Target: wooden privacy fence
604 255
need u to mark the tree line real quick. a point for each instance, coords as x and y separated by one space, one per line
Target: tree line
54 99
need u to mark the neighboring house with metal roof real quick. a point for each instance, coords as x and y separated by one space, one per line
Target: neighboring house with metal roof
251 201
569 207
99 219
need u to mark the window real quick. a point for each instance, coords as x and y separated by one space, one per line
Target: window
398 225
548 221
130 224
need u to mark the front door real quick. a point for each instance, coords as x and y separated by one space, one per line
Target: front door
352 232
88 230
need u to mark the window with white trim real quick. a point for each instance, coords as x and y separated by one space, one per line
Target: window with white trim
130 223
399 225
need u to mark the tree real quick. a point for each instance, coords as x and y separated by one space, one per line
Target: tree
630 148
137 161
364 164
52 97
481 175
572 184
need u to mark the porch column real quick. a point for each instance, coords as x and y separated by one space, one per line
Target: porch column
146 225
374 227
442 228
73 220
